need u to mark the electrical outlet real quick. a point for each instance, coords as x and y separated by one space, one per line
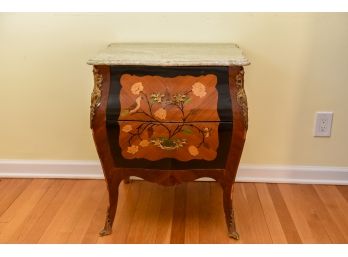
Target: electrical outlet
323 124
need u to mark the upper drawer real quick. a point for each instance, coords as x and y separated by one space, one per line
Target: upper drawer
169 94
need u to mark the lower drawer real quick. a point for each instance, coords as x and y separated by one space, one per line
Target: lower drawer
195 145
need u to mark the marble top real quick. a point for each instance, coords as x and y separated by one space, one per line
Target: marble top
166 54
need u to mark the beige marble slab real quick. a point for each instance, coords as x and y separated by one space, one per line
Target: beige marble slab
166 54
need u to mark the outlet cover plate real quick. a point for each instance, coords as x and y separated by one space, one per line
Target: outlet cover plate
323 124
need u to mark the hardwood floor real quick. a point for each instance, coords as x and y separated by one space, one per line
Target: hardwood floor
73 211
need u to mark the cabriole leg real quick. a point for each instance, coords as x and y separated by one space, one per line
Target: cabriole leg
111 211
229 212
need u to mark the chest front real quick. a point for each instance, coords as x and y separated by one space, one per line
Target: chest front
169 117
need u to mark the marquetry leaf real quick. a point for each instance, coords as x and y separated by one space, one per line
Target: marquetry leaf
187 100
186 131
124 112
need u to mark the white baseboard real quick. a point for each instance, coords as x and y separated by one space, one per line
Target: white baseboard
50 169
246 173
293 174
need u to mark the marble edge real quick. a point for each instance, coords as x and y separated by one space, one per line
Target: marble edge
241 62
98 60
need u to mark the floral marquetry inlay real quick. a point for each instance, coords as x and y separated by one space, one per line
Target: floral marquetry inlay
163 117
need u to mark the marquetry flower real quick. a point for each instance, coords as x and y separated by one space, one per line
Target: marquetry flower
193 150
137 88
161 113
156 97
206 132
198 89
132 149
137 106
127 128
144 143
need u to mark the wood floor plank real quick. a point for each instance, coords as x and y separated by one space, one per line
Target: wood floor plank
32 228
139 222
344 191
41 224
336 221
192 213
212 225
86 211
165 220
11 189
73 211
204 213
67 217
96 224
179 215
323 226
270 210
313 209
249 215
12 219
301 215
7 185
151 216
285 218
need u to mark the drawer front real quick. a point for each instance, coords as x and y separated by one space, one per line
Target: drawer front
180 141
157 98
197 145
169 94
169 117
